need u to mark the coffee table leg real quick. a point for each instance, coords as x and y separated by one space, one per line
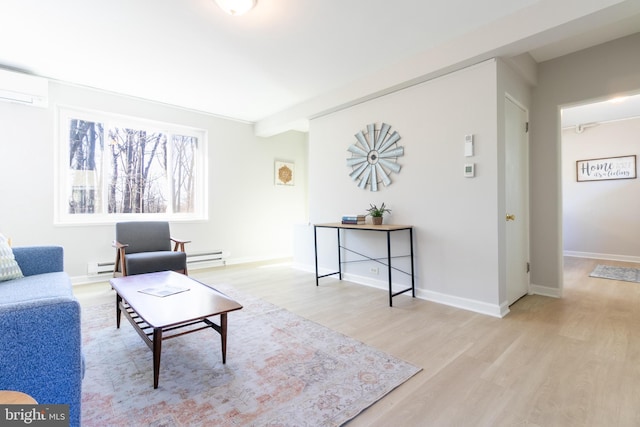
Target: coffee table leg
223 335
118 311
157 348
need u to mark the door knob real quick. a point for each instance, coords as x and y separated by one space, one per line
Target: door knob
511 217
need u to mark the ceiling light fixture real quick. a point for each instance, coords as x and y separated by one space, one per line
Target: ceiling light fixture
236 7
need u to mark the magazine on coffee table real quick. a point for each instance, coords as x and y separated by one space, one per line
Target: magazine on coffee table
163 291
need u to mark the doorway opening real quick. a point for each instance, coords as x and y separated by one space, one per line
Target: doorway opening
599 211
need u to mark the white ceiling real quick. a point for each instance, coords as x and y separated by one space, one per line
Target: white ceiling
617 108
288 60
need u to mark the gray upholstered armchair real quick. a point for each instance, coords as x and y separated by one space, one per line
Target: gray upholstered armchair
145 247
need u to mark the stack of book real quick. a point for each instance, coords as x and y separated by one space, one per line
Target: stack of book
353 219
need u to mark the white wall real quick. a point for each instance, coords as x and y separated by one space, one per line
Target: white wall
248 215
596 73
456 218
600 218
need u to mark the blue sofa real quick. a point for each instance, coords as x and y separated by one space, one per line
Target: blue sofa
40 338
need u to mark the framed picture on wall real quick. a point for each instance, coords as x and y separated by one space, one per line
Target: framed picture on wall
622 167
284 173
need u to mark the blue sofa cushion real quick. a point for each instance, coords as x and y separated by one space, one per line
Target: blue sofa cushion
39 259
35 288
9 268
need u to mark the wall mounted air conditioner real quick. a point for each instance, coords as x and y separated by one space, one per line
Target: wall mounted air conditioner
24 89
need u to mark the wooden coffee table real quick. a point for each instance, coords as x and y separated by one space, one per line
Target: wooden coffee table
177 314
11 397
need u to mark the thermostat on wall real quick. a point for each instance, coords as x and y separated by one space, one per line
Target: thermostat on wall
470 170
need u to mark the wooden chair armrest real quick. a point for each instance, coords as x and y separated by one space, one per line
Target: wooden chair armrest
180 240
119 266
119 245
179 244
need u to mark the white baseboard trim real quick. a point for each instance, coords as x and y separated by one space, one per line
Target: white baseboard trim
371 282
609 257
492 310
450 300
310 268
249 260
504 309
545 291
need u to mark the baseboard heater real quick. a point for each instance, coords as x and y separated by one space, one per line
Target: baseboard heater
194 261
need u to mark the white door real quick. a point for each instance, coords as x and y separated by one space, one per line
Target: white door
517 201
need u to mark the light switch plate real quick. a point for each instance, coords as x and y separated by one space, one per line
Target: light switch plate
468 145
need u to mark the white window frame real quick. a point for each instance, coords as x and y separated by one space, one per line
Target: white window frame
62 182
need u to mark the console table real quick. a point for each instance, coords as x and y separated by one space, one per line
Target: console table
388 229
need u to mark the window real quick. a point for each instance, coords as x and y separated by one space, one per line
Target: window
113 168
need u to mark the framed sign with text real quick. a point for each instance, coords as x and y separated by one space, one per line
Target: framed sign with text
623 167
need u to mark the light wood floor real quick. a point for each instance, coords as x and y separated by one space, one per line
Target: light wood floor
573 361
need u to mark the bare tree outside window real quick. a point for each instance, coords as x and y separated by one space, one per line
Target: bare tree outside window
114 169
86 142
138 171
184 172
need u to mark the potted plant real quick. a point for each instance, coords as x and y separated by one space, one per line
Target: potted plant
377 213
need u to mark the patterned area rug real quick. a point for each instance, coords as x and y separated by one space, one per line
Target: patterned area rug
281 370
626 274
